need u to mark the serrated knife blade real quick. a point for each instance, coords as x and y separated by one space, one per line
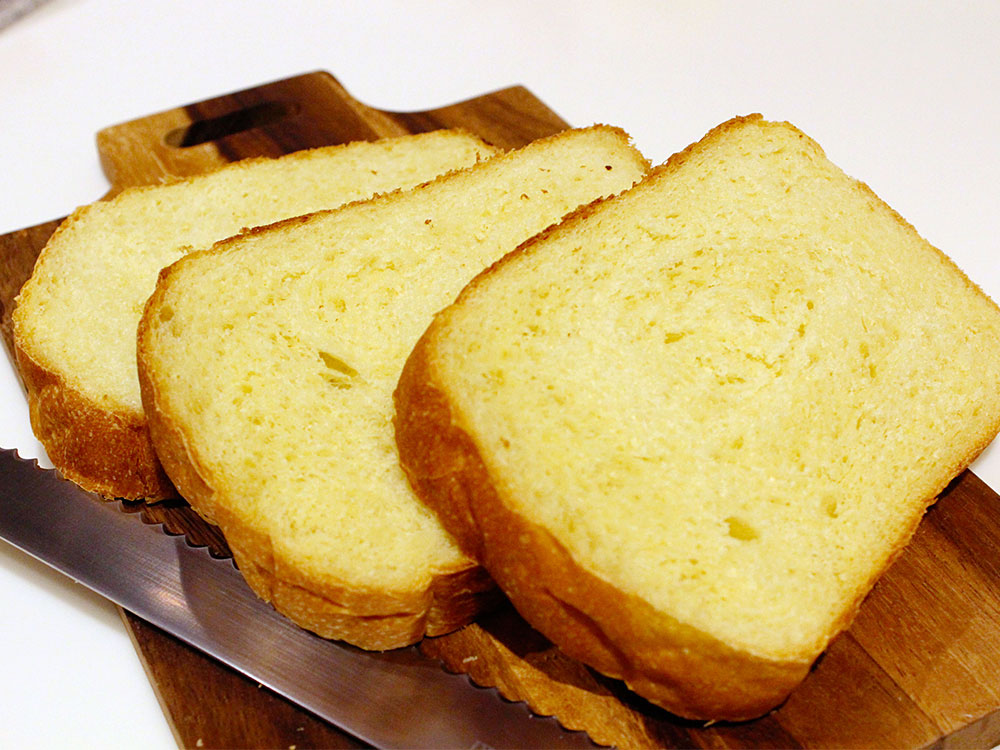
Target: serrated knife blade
392 699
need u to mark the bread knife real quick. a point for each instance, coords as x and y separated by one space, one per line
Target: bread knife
391 699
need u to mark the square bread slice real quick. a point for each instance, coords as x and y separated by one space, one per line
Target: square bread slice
687 429
75 318
267 365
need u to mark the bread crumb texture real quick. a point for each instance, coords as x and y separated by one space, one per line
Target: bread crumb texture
732 390
78 313
275 354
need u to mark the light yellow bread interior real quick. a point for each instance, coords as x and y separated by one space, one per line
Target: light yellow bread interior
267 366
75 319
707 413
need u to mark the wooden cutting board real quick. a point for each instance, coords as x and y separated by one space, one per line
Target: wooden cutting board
919 667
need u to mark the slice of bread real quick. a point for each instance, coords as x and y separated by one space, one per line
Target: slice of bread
687 429
75 319
267 367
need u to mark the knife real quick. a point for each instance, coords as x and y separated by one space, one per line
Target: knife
391 699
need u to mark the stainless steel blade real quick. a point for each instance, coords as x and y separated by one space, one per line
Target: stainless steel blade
391 699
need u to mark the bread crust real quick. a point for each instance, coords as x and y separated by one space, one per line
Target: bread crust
668 662
107 451
373 619
104 451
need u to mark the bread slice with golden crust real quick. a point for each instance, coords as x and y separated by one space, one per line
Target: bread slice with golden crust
687 429
75 319
267 366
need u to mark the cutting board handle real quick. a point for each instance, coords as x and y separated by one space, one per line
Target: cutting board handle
308 110
231 123
305 111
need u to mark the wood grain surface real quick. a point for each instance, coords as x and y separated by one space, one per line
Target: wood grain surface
920 667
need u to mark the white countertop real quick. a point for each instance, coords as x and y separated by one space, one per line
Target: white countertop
902 95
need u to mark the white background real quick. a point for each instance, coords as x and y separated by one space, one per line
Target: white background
903 95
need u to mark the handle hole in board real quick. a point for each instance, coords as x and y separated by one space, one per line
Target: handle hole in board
231 123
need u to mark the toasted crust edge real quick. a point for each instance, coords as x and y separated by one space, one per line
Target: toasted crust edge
103 451
371 619
670 663
106 451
